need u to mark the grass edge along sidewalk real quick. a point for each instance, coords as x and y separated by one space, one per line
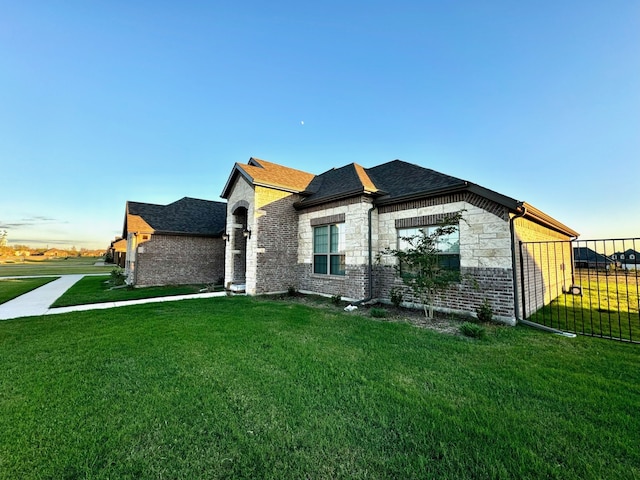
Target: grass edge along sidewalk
11 288
96 289
237 387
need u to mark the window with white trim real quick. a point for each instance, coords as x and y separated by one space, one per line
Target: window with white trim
328 249
448 246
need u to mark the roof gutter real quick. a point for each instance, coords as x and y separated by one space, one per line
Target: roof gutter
187 234
540 217
418 196
302 204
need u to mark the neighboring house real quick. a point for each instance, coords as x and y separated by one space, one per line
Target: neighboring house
629 259
174 244
55 252
325 234
118 251
584 257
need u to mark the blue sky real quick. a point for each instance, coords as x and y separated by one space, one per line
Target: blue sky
107 101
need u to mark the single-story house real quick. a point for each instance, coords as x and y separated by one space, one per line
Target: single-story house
629 259
56 252
585 257
178 243
117 251
326 234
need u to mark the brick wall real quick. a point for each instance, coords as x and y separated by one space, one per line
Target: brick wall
176 260
478 283
277 241
546 259
351 287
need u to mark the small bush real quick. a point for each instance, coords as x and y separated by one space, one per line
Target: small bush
378 312
118 277
484 312
336 299
473 330
291 291
396 297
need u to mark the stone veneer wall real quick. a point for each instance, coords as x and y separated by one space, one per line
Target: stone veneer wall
354 284
177 259
485 251
240 261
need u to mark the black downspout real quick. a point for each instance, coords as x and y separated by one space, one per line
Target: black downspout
514 275
370 266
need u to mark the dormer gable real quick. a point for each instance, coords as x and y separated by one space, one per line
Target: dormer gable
260 172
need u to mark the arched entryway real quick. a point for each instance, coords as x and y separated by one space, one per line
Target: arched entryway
239 246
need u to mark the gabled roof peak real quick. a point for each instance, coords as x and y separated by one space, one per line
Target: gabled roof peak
268 174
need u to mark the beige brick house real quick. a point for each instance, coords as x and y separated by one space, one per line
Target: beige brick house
179 243
118 251
324 234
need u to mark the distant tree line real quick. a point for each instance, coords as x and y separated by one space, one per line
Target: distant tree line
26 251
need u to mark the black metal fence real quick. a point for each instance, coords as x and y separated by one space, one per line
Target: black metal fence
588 287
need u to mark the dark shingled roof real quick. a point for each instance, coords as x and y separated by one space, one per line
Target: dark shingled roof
392 180
390 183
401 179
336 182
185 216
585 254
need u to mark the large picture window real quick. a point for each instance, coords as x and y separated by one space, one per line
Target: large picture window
448 246
328 249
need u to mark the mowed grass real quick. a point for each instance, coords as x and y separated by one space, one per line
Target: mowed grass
11 288
51 266
239 387
608 307
97 289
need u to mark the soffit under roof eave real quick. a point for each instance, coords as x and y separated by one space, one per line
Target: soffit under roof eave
509 202
277 187
418 196
517 206
332 198
538 216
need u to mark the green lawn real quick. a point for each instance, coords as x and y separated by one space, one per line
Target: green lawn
14 287
240 387
608 307
52 266
95 289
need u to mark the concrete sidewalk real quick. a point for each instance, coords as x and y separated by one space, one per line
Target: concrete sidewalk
38 301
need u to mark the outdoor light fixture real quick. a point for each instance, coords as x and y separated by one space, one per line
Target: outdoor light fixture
225 237
246 232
